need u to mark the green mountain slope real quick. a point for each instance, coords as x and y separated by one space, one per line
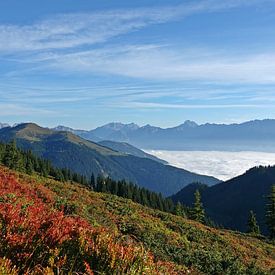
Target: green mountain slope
229 203
67 150
119 228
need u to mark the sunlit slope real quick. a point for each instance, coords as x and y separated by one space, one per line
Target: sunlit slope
186 245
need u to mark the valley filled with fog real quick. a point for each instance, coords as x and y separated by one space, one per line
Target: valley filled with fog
220 164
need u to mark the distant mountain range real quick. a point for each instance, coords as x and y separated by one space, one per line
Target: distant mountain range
228 203
67 150
3 125
257 135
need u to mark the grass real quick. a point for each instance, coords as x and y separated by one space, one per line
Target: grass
162 243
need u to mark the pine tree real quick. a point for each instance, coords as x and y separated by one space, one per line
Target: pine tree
29 166
179 210
270 212
198 213
10 157
2 153
252 224
92 183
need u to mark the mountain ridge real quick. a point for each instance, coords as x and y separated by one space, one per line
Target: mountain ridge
191 136
67 150
228 203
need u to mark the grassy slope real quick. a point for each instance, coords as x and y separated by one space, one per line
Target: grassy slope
169 237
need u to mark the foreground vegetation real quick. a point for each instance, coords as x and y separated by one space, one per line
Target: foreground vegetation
51 227
40 234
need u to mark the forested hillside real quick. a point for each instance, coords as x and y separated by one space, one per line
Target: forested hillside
67 150
230 202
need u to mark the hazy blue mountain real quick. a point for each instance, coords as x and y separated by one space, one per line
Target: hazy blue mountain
115 131
257 135
253 135
229 203
127 148
67 150
4 125
82 133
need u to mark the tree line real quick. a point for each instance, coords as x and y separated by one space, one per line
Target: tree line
25 161
198 213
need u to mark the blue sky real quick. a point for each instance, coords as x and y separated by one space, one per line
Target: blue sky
86 63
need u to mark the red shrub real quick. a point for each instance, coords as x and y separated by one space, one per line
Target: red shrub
34 235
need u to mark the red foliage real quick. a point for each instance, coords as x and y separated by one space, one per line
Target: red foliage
25 217
34 234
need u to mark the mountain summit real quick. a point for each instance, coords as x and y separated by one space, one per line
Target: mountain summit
67 150
192 136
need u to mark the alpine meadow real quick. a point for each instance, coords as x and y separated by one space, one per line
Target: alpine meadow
137 137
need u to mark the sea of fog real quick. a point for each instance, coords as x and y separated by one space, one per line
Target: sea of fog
220 164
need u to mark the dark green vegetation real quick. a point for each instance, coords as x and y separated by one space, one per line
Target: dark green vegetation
198 213
270 212
67 150
119 235
253 227
229 203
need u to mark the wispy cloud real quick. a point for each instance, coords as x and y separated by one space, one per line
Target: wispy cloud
83 45
68 43
10 109
152 105
167 63
76 30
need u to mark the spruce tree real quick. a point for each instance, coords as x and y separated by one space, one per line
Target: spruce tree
29 166
10 158
93 185
179 210
198 213
252 224
270 212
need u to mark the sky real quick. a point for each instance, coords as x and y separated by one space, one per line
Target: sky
86 63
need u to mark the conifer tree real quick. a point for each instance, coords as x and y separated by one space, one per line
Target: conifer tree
93 185
198 213
270 212
29 166
179 210
252 224
11 155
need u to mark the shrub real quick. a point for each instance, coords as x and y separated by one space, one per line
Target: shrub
37 238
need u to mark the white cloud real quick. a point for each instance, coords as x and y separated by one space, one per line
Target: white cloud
222 165
76 30
146 105
65 42
10 109
162 63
